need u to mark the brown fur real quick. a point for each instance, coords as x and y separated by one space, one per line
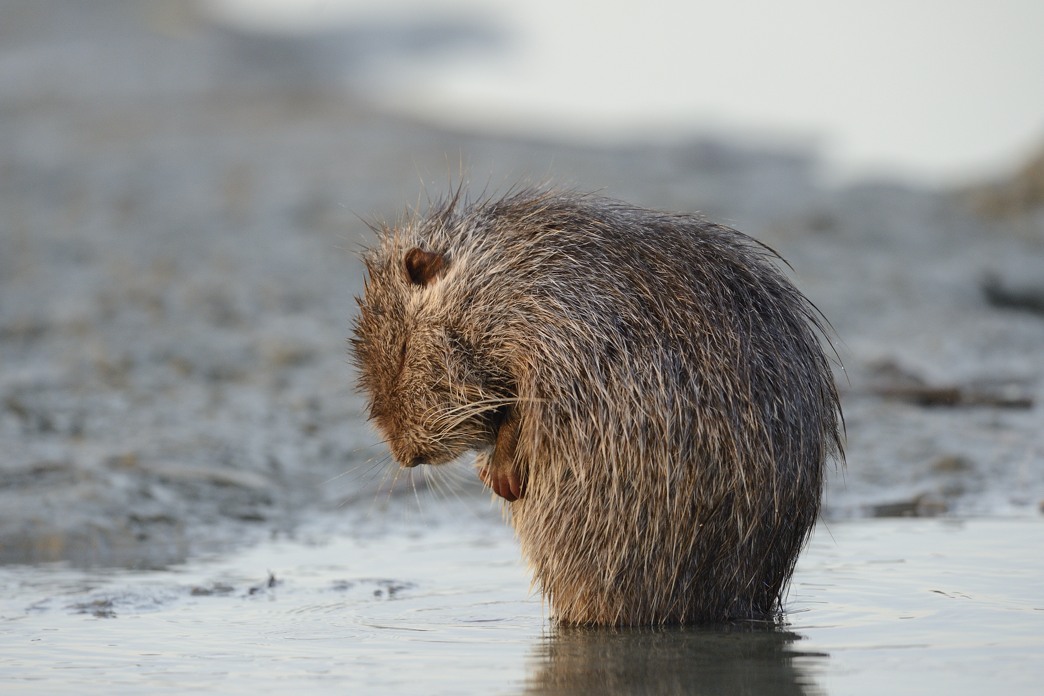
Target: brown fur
649 386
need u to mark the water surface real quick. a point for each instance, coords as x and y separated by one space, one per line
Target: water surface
896 606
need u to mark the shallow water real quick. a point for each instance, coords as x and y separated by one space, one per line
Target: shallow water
876 606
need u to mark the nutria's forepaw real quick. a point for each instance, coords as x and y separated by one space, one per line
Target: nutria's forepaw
508 485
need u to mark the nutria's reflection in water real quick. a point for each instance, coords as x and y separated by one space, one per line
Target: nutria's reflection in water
756 658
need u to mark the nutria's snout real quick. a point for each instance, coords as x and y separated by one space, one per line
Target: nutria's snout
411 458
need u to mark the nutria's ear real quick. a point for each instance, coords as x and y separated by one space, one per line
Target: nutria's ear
422 267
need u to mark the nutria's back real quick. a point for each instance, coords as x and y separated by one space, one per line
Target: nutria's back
651 386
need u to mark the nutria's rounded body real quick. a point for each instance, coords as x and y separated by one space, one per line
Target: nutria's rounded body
647 390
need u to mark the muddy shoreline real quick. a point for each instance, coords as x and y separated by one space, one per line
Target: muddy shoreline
177 274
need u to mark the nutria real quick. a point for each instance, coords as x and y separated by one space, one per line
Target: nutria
647 391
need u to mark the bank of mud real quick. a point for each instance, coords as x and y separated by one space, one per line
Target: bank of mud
177 274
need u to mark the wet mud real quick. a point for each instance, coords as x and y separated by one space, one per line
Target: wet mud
177 273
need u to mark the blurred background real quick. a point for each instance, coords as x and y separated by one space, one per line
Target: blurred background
931 91
184 187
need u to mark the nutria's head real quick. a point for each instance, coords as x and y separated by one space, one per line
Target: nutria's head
429 393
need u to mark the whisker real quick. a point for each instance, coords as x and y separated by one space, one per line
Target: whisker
471 408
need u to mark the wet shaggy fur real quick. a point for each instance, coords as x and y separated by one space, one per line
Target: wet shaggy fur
653 380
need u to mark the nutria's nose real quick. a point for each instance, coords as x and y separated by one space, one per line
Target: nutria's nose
416 461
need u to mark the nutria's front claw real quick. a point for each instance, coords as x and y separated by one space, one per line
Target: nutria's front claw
501 472
507 485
